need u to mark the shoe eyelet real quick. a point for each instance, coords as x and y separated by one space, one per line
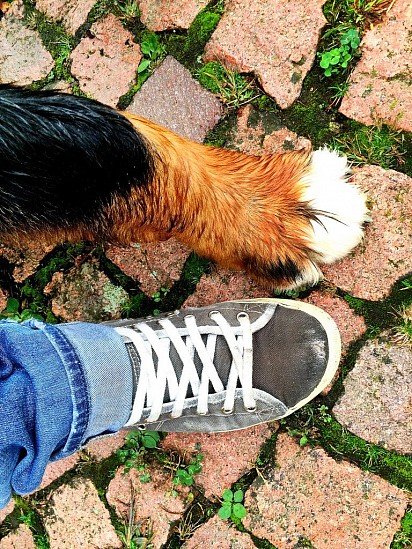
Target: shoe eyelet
141 427
227 412
210 313
242 315
188 316
251 409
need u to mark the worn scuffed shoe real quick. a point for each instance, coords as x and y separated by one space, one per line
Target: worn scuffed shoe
228 366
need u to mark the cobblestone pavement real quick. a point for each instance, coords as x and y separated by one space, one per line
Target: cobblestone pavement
338 474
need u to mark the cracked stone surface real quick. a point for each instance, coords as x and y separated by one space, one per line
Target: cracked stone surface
252 137
172 98
25 261
155 266
22 538
71 13
220 468
158 15
85 293
380 87
276 40
218 534
75 517
153 504
106 61
309 496
23 58
385 254
377 402
224 285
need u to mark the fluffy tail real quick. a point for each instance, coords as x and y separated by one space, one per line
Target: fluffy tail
73 169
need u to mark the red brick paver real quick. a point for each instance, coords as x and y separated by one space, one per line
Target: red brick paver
333 505
172 98
153 504
377 403
76 517
23 58
21 538
71 13
227 456
274 39
85 293
106 61
161 15
219 534
155 266
385 254
380 87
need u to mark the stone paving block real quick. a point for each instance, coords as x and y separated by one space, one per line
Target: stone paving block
22 538
85 293
249 136
153 506
380 87
385 254
159 15
23 58
105 62
377 402
225 285
219 534
103 448
276 40
154 265
75 517
56 469
6 511
25 260
351 326
227 456
70 13
309 496
172 98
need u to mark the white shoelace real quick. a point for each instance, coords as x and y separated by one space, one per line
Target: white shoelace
152 381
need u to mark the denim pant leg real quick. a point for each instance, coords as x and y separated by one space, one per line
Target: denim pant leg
60 386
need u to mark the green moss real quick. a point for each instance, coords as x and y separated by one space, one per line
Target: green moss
187 49
26 513
55 39
319 427
220 134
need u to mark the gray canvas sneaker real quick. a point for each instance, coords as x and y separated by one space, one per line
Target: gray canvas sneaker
228 366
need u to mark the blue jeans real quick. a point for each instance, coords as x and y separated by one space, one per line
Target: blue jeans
60 386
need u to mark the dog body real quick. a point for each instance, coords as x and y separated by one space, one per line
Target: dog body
73 169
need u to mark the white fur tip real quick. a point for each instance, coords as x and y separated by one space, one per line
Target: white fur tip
328 191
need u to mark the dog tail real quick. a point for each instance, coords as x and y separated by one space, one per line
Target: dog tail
63 161
340 207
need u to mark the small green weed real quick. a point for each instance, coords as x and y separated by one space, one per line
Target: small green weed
402 332
152 50
134 450
232 507
128 9
336 60
135 535
160 294
234 89
185 474
13 311
379 145
403 538
360 13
